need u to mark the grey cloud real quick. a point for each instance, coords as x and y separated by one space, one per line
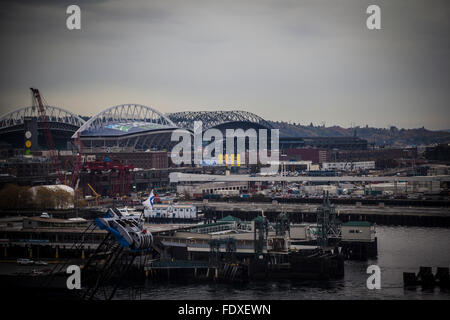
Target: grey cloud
284 60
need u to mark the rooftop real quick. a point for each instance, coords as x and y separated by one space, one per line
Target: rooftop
56 220
357 224
118 129
230 218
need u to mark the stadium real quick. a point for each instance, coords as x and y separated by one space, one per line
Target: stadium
127 127
133 127
62 123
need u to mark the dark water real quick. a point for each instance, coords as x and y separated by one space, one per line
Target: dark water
400 249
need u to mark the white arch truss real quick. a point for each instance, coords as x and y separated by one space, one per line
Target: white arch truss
123 113
54 114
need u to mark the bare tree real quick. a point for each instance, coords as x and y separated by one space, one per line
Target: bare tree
44 198
13 196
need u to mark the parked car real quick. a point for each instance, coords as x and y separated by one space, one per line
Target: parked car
41 263
25 261
45 215
37 272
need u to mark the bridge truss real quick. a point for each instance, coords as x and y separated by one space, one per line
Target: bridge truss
211 119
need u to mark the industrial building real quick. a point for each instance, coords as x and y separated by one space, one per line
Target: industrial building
440 152
378 154
428 187
286 166
349 166
329 143
224 188
314 155
21 166
358 230
171 211
139 159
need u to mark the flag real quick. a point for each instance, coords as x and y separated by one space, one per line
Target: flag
149 202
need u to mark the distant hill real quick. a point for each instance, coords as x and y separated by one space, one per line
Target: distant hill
380 136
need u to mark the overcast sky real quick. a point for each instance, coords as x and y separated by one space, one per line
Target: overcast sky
301 61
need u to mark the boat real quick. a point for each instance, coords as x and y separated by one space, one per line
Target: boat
125 211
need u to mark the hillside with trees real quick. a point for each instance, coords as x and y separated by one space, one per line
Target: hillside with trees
379 136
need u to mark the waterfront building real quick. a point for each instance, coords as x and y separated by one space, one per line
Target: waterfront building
171 211
349 166
358 231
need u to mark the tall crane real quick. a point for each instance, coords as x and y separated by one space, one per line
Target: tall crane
78 163
38 101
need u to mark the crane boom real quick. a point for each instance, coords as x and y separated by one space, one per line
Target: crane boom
97 196
93 191
78 163
37 99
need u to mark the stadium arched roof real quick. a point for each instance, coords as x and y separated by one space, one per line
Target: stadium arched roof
125 119
215 118
54 115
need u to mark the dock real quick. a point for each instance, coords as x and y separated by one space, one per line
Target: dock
299 212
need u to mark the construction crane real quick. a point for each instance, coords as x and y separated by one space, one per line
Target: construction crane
95 193
78 163
38 101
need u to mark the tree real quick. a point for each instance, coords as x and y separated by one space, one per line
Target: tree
80 202
44 198
63 198
16 197
13 196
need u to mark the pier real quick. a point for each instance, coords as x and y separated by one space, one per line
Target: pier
381 214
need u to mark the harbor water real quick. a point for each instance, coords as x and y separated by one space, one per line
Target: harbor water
400 249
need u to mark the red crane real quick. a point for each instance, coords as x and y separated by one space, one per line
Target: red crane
38 100
119 175
78 163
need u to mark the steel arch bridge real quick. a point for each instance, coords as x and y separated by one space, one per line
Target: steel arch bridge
125 113
57 118
212 119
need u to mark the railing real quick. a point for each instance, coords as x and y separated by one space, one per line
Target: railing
177 264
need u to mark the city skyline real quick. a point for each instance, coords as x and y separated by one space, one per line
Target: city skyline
296 61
